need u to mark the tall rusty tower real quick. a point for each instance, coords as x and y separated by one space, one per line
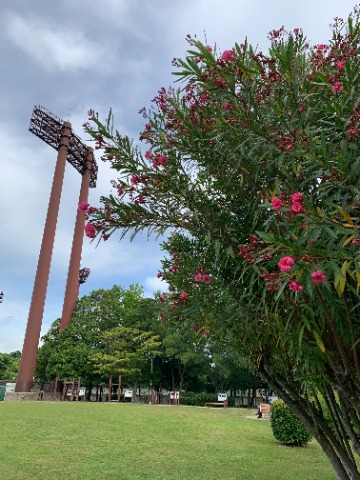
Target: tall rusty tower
58 134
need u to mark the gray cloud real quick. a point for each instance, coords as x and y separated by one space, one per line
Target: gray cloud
52 46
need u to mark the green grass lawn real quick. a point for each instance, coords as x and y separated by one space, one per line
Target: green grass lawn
83 441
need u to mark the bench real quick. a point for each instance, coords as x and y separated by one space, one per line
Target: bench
223 404
265 410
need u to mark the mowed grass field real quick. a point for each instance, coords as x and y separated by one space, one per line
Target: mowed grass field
93 441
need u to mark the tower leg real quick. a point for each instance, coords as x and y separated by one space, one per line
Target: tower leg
33 329
72 284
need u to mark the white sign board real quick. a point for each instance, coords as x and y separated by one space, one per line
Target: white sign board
222 397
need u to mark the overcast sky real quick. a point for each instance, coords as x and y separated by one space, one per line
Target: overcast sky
72 55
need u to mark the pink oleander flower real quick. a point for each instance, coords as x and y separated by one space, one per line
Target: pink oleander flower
198 277
337 87
341 65
286 263
183 295
318 276
295 286
206 278
228 55
276 203
219 81
205 334
148 154
90 230
352 132
160 160
208 48
120 191
163 160
297 207
296 197
134 179
83 206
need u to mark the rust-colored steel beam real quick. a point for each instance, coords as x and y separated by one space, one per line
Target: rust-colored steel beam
33 329
72 284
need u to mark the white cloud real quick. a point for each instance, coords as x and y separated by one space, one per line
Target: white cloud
234 20
154 284
53 46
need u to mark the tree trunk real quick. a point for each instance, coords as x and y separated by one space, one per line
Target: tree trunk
182 369
313 419
172 379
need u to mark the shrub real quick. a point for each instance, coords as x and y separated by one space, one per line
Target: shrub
287 428
199 399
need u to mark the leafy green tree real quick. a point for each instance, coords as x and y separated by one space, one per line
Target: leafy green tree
230 371
68 355
189 361
253 166
125 351
9 365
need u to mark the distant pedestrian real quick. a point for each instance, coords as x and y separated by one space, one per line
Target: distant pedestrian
41 392
264 399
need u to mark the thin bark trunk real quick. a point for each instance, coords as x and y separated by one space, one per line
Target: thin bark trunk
338 456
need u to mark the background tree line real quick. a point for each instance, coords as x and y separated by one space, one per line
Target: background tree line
119 332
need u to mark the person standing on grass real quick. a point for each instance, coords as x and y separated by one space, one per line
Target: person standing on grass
41 392
265 399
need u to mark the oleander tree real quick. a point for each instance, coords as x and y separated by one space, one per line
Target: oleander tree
250 173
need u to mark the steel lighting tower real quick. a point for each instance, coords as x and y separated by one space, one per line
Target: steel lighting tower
58 134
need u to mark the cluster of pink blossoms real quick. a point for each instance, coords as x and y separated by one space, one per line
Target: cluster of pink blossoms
134 179
228 56
206 278
295 201
318 276
337 87
285 265
294 286
183 295
158 160
83 206
201 275
90 230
